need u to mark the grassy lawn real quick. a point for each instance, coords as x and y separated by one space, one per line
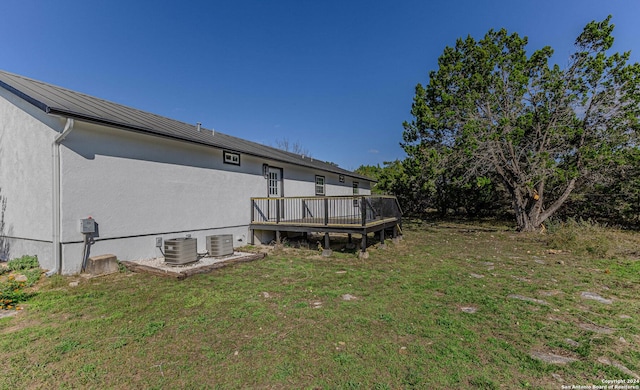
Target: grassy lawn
451 306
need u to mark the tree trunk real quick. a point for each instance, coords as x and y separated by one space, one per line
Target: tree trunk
531 220
520 208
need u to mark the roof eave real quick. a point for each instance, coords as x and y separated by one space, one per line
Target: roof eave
25 97
147 131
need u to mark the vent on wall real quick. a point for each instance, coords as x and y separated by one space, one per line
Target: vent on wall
178 251
221 245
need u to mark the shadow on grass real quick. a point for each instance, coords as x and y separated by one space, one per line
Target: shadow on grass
339 242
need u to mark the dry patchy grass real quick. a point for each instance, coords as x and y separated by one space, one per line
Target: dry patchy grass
283 322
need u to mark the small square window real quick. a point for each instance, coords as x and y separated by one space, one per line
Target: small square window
231 158
320 185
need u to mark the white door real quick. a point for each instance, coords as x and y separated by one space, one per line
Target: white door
275 183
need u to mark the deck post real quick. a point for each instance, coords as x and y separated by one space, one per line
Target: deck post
277 210
396 235
326 211
363 250
304 211
278 237
382 244
326 252
363 209
253 210
350 244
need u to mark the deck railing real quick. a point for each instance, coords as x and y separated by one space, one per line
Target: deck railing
356 210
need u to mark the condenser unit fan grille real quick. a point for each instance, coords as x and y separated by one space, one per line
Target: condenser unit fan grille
220 245
178 251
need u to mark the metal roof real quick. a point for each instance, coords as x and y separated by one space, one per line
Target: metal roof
63 102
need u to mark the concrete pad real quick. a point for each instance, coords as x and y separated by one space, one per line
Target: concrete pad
102 265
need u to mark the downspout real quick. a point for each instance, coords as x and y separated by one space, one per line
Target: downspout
55 147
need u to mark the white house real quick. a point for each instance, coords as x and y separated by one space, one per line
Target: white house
66 156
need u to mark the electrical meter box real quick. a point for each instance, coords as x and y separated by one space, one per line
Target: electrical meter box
87 226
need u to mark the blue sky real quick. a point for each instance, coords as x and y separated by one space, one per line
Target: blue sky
337 76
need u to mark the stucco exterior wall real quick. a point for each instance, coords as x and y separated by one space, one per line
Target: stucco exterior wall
300 181
26 134
138 187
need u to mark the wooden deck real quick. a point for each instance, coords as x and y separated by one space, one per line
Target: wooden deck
338 214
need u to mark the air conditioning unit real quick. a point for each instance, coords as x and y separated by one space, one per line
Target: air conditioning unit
179 251
220 245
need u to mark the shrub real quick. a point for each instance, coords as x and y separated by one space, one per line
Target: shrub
13 291
23 263
581 237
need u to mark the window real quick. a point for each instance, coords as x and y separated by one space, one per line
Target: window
231 158
356 190
320 185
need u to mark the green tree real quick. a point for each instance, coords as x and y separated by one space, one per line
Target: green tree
615 201
493 112
402 179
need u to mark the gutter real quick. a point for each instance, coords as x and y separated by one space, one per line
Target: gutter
55 152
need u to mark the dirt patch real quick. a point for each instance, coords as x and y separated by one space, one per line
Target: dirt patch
527 299
552 358
595 297
8 313
596 328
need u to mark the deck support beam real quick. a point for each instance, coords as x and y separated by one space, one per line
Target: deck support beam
363 254
360 214
396 234
382 244
326 252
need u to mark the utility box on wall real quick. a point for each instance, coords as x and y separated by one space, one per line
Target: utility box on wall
87 226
